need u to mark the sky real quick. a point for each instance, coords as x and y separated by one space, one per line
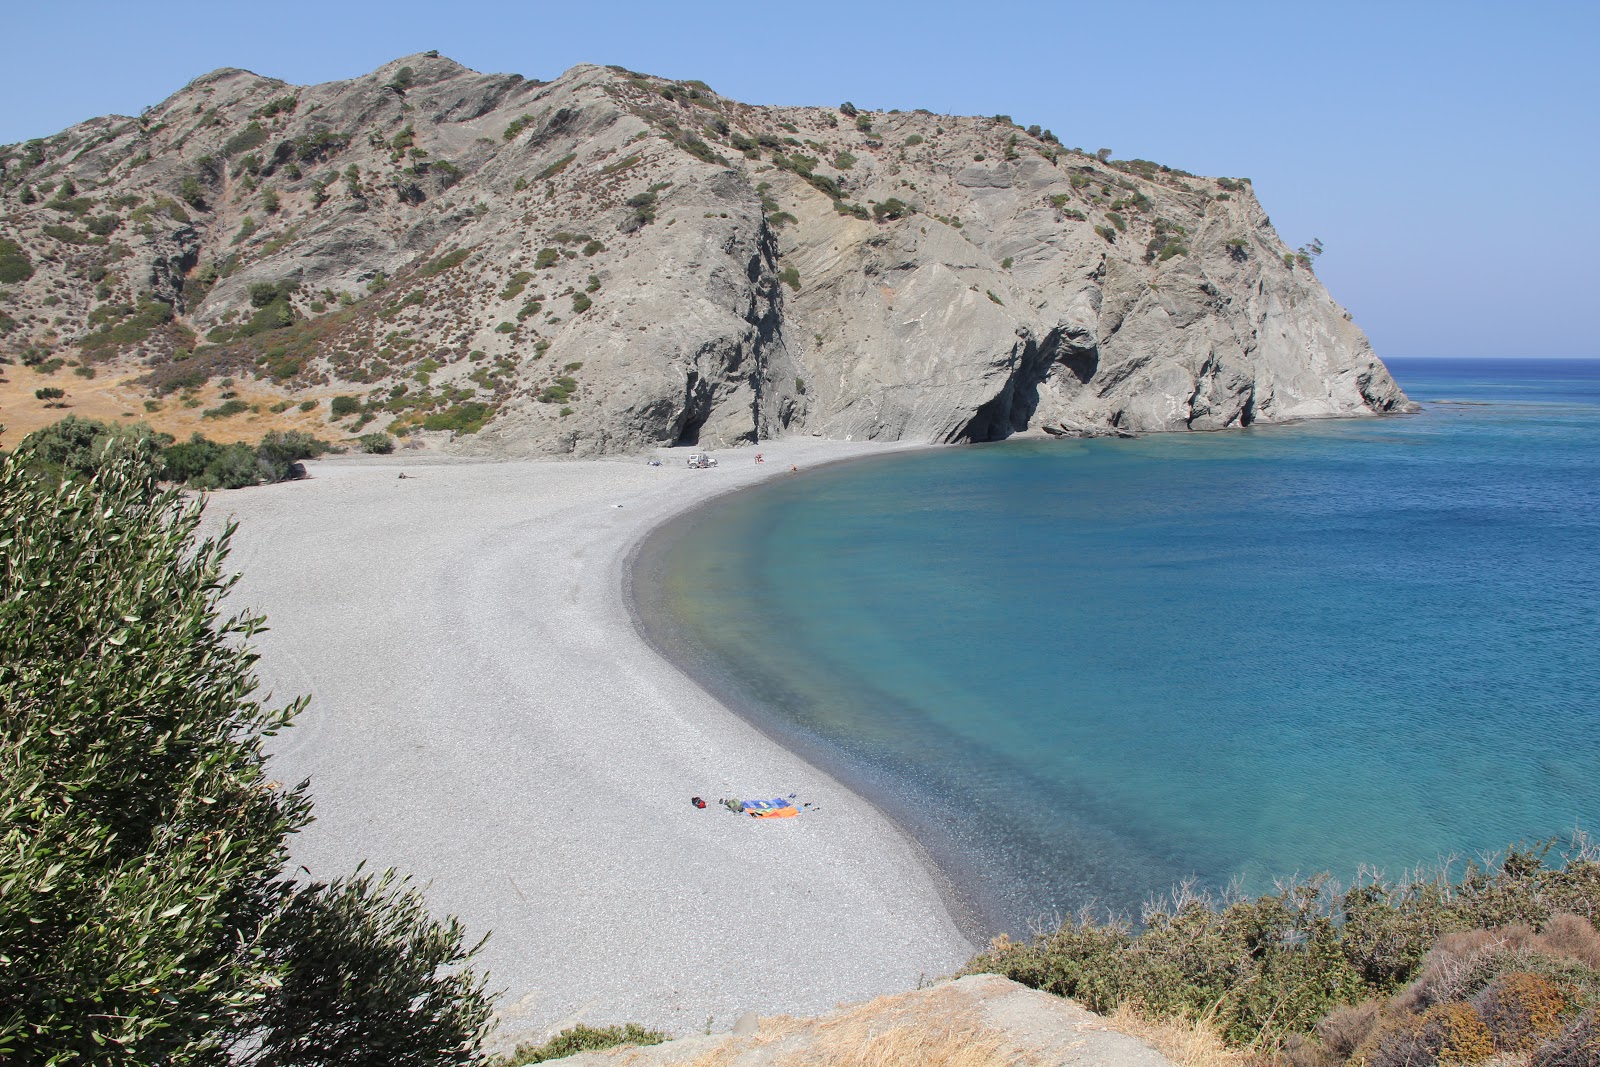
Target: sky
1445 153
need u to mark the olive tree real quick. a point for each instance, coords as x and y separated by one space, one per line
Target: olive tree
147 914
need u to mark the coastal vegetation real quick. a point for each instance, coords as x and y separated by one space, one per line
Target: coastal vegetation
1499 960
148 913
80 448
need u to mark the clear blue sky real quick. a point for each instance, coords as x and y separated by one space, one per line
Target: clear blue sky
1446 153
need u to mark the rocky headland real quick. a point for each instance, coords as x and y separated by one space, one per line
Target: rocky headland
610 261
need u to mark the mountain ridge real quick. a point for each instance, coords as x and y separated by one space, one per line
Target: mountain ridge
609 261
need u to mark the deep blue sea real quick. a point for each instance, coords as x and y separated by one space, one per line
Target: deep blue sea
1081 672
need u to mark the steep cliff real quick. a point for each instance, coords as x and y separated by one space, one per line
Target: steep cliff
609 261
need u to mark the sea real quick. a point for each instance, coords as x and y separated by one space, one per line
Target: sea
1084 673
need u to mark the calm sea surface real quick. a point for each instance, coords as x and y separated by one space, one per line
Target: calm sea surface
1080 672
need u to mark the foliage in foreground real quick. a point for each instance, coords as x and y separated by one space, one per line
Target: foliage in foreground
146 915
1265 972
581 1038
74 447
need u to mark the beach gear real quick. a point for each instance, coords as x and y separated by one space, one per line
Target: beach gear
697 802
777 808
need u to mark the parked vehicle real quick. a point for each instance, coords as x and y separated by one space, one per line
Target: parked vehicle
700 461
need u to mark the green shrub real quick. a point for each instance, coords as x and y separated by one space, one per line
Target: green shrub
308 405
581 1038
281 105
548 257
844 161
227 409
699 149
515 284
64 234
343 406
846 208
1118 221
1107 232
469 417
191 192
790 276
377 444
449 261
593 247
121 325
581 303
517 126
15 266
254 135
555 168
914 140
149 916
892 208
78 448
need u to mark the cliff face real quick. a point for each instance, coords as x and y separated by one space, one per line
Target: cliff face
610 261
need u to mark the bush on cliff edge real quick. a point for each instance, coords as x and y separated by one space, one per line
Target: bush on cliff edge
1260 971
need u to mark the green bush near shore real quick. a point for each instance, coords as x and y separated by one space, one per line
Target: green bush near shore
79 448
1285 971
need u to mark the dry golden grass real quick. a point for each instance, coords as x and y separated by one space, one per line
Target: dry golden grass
114 395
906 1030
1186 1042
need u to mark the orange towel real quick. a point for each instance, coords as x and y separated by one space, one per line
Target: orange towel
776 813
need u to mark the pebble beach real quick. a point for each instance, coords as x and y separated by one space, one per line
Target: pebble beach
486 718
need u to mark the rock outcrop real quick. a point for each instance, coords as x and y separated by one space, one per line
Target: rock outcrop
610 261
982 1018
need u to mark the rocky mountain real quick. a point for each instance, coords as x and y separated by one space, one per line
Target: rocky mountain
609 261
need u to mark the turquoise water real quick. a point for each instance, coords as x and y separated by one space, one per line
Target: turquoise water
1081 672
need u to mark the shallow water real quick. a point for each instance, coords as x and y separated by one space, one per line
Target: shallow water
1083 671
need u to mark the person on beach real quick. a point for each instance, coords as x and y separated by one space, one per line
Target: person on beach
759 459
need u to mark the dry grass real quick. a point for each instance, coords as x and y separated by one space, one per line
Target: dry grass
1186 1042
906 1030
114 395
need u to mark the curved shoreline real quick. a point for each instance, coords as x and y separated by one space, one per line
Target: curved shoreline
488 718
960 903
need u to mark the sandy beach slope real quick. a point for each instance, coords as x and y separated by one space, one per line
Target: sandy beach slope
486 717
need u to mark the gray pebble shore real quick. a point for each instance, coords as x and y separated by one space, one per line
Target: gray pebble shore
486 718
